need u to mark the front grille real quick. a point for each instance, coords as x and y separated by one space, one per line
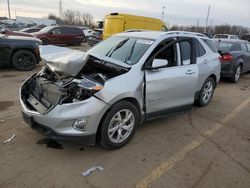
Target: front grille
41 128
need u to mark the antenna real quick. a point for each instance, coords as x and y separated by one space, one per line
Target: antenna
60 8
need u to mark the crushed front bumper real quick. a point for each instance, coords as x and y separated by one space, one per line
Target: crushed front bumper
58 123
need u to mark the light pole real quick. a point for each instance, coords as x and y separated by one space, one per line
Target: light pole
8 2
163 13
208 13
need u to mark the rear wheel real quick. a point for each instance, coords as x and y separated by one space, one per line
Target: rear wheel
77 42
119 125
24 60
236 76
206 93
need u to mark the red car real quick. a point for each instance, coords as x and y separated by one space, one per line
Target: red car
61 35
6 31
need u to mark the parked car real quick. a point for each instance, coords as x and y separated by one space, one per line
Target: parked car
61 35
6 31
30 30
88 32
246 37
225 36
104 94
235 58
96 37
20 52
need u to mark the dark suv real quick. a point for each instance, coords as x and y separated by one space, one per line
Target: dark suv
61 35
20 52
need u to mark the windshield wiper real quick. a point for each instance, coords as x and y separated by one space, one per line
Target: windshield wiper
131 52
118 46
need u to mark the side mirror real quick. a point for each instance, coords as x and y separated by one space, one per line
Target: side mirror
2 31
159 63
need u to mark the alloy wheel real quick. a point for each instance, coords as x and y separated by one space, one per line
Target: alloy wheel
121 126
207 92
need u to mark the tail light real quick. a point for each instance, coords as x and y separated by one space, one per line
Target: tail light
226 58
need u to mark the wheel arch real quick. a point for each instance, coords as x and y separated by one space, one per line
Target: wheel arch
130 99
25 49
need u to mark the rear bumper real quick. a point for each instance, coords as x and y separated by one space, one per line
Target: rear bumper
227 69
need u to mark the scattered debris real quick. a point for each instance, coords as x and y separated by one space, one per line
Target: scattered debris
89 171
9 139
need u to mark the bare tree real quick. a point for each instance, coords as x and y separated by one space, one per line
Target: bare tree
218 29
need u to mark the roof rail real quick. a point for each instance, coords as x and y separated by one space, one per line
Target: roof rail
186 33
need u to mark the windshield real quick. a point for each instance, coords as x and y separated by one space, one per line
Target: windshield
124 49
46 29
225 46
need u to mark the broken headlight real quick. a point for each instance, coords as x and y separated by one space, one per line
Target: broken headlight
81 89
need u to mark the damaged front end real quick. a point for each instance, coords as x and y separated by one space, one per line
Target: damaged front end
68 77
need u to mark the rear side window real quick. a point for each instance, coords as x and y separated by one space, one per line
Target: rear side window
225 46
185 48
77 31
237 47
66 30
243 47
211 44
200 51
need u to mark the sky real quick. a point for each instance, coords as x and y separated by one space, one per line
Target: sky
177 12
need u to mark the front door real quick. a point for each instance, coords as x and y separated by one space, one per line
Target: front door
172 86
55 36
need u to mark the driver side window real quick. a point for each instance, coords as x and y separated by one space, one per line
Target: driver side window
57 31
168 54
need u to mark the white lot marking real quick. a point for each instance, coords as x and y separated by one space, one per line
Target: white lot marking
181 154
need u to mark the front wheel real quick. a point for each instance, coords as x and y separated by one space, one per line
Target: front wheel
24 60
119 125
206 93
45 41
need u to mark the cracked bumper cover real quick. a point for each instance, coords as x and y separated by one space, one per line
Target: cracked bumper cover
57 124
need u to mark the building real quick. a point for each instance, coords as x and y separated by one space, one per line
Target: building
35 21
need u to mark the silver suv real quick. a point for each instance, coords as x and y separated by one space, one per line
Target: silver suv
104 94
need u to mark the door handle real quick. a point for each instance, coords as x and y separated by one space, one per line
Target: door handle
206 61
190 72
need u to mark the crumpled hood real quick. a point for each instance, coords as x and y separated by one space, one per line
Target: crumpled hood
63 60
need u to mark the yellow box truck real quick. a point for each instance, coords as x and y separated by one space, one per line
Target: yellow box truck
116 23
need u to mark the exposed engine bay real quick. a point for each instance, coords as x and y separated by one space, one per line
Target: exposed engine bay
46 89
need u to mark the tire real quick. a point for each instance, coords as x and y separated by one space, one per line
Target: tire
236 76
77 42
206 93
112 126
24 60
45 41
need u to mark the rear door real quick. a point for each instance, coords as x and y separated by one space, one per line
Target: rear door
67 35
172 86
